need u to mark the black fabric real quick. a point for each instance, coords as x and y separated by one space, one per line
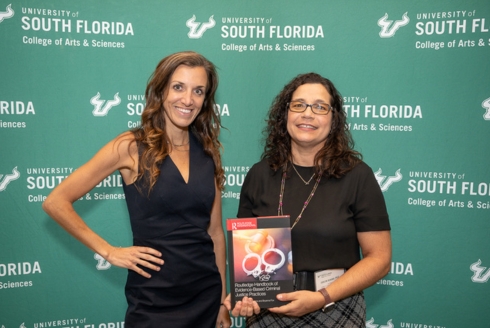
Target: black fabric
186 292
326 235
304 280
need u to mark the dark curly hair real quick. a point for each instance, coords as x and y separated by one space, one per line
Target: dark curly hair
337 156
151 135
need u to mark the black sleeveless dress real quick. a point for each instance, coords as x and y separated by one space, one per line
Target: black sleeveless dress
186 292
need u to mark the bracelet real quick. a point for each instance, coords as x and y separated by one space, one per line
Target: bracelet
222 304
326 296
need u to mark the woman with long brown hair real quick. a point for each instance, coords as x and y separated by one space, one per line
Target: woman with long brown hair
172 179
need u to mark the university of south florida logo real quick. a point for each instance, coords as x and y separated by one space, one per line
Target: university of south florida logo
5 180
486 105
102 107
388 28
102 263
8 13
196 30
386 182
479 274
370 324
22 325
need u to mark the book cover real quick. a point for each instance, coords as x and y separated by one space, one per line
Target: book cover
260 259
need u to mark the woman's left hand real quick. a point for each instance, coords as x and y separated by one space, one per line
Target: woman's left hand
247 307
223 320
301 303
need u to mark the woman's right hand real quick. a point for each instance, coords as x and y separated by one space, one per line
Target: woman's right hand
131 257
245 308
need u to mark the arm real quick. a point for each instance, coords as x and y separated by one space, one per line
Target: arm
217 234
375 244
59 204
375 264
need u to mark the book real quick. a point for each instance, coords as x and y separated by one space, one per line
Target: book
260 259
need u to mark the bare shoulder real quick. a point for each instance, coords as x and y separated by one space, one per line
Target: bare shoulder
119 153
124 145
127 149
125 139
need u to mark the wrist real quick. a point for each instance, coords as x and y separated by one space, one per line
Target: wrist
327 299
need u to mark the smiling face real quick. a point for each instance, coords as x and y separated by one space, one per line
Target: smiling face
308 130
185 96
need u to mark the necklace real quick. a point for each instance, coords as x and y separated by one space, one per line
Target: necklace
306 182
174 147
181 149
281 195
184 144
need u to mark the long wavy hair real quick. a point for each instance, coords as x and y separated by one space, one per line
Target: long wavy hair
336 157
152 136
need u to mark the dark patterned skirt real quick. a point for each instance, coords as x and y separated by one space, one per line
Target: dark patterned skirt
347 313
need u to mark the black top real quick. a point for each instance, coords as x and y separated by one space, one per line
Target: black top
173 219
326 235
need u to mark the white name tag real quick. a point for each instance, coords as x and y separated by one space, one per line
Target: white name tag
326 277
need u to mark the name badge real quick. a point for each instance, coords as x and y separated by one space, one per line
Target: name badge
324 278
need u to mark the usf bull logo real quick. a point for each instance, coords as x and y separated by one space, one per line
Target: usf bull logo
102 107
196 30
486 105
370 324
5 180
385 182
388 28
8 13
102 263
479 274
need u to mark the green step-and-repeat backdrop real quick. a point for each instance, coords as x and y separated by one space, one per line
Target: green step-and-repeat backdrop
415 76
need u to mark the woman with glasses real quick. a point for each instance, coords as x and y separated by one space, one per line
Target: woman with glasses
310 171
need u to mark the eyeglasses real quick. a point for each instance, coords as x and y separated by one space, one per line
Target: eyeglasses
318 108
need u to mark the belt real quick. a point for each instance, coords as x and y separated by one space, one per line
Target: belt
304 280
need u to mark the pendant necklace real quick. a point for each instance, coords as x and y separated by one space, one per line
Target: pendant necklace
281 195
305 182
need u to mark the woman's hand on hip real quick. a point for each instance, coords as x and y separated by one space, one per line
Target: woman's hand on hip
131 257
